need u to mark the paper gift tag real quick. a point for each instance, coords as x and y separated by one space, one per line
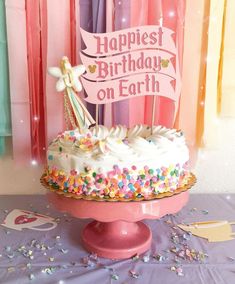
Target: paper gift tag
22 219
213 231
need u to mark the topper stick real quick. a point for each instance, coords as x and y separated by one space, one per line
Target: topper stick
154 98
153 113
97 115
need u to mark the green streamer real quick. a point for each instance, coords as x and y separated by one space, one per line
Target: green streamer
5 117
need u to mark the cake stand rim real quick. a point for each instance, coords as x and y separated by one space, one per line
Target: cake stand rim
122 211
136 212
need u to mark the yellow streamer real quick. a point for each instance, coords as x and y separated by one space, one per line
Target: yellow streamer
202 78
221 62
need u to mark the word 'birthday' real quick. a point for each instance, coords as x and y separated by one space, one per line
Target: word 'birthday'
128 64
120 42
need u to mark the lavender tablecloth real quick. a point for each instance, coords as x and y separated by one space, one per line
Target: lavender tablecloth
57 256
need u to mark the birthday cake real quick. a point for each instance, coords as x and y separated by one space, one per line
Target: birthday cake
139 163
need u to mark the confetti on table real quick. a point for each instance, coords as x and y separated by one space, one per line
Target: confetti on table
193 210
10 269
64 251
7 248
146 258
114 276
134 274
178 270
87 262
135 257
187 236
49 270
159 257
179 253
93 256
31 276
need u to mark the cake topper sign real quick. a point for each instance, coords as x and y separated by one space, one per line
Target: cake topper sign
130 63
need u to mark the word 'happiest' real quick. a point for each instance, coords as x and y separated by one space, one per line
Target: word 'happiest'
120 42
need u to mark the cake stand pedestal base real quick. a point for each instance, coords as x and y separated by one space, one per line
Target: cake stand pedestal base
118 239
117 232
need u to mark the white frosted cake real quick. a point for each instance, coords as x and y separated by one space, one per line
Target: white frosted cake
118 163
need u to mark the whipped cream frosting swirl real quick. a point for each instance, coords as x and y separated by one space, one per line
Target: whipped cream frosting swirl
104 147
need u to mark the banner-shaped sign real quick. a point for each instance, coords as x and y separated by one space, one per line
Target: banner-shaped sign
129 63
133 86
154 37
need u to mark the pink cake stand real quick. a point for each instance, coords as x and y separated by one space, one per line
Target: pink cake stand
117 232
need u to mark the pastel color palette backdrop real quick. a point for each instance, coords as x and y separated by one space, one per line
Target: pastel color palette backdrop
39 35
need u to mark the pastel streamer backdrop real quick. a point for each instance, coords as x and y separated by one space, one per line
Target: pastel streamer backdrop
39 35
36 50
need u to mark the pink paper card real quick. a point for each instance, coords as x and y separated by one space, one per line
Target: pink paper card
130 63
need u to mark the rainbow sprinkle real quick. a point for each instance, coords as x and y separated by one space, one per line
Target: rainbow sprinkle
119 183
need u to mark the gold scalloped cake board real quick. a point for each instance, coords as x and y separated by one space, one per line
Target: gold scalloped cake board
190 182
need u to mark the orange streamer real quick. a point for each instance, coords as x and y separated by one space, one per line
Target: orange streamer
202 78
221 62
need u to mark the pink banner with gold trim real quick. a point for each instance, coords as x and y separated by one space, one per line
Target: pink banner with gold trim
148 68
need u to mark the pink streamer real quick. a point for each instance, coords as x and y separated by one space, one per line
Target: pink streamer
108 119
73 41
59 44
173 14
77 30
77 37
18 68
121 21
36 16
151 12
139 17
